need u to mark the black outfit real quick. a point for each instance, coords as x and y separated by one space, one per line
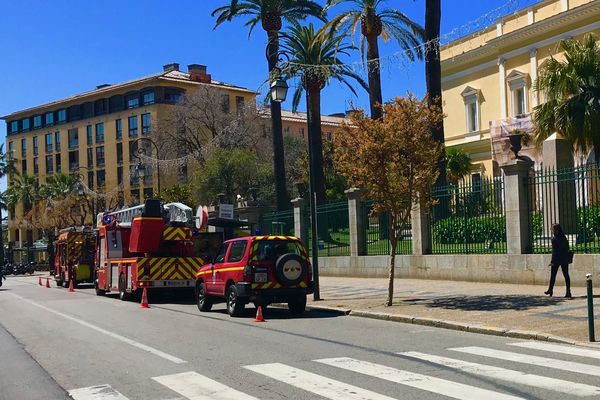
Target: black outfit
560 258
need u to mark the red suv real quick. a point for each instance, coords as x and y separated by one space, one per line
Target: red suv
257 269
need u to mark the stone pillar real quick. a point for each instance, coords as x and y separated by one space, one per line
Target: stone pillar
502 86
560 206
516 201
421 235
533 67
357 223
300 225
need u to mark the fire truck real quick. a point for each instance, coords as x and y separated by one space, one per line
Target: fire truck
146 246
74 256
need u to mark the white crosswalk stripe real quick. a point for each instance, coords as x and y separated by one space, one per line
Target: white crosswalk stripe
319 385
100 392
557 348
518 377
431 384
194 386
532 360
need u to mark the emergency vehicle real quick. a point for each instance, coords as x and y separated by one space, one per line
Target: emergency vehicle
258 269
74 253
146 246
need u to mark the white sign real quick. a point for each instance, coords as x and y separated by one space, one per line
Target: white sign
226 211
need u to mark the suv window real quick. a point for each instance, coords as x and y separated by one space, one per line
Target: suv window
273 249
237 251
221 255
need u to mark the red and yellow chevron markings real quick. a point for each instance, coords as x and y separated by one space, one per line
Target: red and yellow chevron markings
168 268
275 285
177 233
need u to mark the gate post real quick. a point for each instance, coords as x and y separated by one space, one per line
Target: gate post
357 229
516 202
300 227
421 236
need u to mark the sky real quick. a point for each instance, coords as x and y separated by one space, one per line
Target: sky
54 49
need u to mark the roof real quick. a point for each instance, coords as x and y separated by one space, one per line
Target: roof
290 116
173 76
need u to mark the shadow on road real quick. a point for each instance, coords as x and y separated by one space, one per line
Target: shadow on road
493 303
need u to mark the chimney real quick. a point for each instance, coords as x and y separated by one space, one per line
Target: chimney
198 73
102 86
171 67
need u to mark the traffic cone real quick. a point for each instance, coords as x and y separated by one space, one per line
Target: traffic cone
259 316
39 281
48 282
71 288
144 303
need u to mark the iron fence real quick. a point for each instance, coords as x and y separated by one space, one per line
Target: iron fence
377 233
571 197
469 219
333 229
277 223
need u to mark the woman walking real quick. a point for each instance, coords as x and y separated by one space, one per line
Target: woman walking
560 258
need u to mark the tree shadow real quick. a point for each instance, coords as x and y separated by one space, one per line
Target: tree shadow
493 303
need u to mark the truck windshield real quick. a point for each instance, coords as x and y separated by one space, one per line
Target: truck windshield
273 249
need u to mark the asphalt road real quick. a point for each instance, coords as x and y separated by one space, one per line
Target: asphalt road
100 348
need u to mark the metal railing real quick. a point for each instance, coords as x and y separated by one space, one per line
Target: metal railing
469 219
333 229
377 233
277 223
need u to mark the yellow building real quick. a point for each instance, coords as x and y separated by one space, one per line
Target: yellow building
487 77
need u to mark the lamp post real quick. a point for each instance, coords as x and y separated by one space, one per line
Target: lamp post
141 168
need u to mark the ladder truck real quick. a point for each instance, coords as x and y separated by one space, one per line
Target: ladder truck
74 252
146 246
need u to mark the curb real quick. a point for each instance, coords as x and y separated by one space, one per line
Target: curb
438 323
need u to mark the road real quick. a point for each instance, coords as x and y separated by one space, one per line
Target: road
99 348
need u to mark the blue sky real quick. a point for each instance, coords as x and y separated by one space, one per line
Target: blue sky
53 49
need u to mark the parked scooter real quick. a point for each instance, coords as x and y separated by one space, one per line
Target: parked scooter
19 269
30 268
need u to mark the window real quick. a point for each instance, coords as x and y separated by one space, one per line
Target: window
62 115
132 125
90 176
100 156
49 143
471 101
100 177
133 147
519 101
24 167
239 104
135 196
73 138
36 166
35 146
517 82
23 147
472 125
87 110
37 121
301 132
74 113
115 103
58 163
272 250
132 100
14 126
237 251
225 103
90 157
148 98
119 129
329 136
146 121
24 124
148 193
221 255
73 160
100 107
11 150
100 133
49 165
49 119
89 135
286 130
119 153
172 96
57 141
119 175
134 179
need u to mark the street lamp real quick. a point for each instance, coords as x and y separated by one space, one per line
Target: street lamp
279 89
141 168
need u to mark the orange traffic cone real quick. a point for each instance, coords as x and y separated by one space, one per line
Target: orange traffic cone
144 303
71 288
259 316
47 282
39 281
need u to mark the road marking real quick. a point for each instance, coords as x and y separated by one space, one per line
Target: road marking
557 348
557 385
113 335
532 360
194 386
319 385
100 392
431 384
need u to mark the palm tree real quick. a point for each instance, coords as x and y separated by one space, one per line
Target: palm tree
572 92
25 190
271 13
458 164
376 22
313 56
6 168
59 186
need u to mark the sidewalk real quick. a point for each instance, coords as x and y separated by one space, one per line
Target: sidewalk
500 309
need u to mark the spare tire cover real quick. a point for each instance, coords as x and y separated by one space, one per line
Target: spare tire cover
290 269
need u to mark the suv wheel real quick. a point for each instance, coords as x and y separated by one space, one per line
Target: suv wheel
235 307
297 305
203 302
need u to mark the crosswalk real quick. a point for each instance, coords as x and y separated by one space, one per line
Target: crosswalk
465 362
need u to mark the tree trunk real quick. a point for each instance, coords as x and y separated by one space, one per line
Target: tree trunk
433 74
282 199
373 65
393 244
315 140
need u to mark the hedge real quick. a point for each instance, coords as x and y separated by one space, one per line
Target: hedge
455 230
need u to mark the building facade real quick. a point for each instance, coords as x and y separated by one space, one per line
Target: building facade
488 77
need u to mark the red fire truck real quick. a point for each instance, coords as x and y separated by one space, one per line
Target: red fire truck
147 246
74 256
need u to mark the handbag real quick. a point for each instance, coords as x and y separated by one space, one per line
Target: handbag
570 255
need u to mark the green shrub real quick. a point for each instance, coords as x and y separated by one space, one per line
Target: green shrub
455 230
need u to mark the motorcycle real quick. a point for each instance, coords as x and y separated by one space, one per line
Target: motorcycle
19 269
30 268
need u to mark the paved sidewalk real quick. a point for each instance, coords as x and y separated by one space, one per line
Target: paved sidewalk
501 309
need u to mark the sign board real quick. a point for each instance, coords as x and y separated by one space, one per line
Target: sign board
226 211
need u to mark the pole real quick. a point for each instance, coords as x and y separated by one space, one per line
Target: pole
590 303
315 244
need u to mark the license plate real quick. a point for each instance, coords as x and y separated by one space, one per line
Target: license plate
175 283
260 277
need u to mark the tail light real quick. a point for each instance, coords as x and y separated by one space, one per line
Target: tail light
145 283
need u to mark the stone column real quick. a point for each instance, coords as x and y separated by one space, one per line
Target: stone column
535 100
516 201
357 223
300 225
421 236
502 85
